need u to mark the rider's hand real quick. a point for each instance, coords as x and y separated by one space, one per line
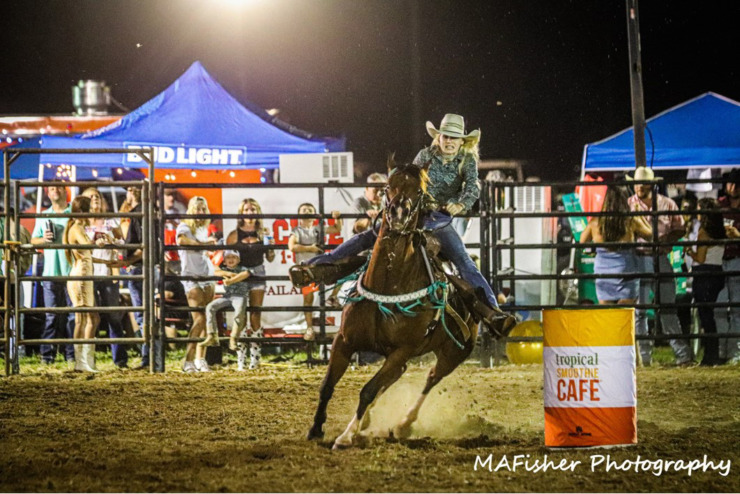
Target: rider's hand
316 249
455 208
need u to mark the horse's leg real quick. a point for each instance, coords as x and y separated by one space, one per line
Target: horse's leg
338 363
365 423
445 365
392 369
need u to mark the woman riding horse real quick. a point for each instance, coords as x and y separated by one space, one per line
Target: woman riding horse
398 308
451 162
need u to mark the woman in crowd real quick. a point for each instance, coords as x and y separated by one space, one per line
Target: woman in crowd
194 232
707 261
106 291
253 249
304 243
617 228
81 292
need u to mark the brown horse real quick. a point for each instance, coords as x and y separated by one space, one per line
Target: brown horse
397 268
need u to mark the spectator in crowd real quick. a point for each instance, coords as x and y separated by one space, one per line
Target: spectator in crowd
304 243
24 262
134 266
670 229
369 203
235 297
50 231
196 263
81 292
707 260
731 261
253 242
691 222
107 292
173 204
617 228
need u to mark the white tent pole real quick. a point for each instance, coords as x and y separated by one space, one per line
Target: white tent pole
114 199
39 200
73 178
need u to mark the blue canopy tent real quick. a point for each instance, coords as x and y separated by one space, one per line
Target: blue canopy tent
193 124
703 132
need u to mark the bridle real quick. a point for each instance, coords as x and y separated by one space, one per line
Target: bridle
389 208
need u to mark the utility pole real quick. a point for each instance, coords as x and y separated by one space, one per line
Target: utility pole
638 105
415 65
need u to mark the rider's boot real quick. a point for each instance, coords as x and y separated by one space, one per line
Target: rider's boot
303 275
499 323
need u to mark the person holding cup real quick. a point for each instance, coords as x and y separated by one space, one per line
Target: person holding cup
49 231
707 259
254 241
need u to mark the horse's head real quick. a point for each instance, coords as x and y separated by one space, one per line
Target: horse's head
404 196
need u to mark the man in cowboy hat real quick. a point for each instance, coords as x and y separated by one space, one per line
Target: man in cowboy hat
670 229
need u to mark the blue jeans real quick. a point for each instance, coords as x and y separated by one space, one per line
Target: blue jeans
451 247
57 325
668 317
107 295
237 302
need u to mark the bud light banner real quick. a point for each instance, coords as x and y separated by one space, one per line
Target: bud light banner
589 382
188 156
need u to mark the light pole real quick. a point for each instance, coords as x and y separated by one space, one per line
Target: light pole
638 105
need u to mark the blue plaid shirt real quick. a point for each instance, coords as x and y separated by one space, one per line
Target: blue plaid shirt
453 182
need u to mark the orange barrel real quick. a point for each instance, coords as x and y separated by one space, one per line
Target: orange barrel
589 382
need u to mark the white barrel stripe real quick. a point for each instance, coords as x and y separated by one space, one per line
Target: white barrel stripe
590 377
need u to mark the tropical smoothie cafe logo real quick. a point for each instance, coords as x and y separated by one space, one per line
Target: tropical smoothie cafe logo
577 382
189 155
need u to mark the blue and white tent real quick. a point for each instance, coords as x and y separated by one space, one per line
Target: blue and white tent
193 124
703 132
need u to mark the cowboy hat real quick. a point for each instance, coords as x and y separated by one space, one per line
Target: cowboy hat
644 174
452 126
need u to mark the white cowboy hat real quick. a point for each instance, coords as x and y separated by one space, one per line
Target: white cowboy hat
452 126
644 173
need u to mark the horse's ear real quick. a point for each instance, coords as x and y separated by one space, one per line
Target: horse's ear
391 162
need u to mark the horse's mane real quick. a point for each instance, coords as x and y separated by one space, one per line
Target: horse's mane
410 170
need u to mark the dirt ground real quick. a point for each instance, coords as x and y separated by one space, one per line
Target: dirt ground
227 431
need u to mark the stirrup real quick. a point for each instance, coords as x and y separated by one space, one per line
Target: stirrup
500 325
301 276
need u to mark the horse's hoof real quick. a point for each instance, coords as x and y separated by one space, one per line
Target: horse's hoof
341 445
402 431
314 435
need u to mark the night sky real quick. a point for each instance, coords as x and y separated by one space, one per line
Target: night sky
540 79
